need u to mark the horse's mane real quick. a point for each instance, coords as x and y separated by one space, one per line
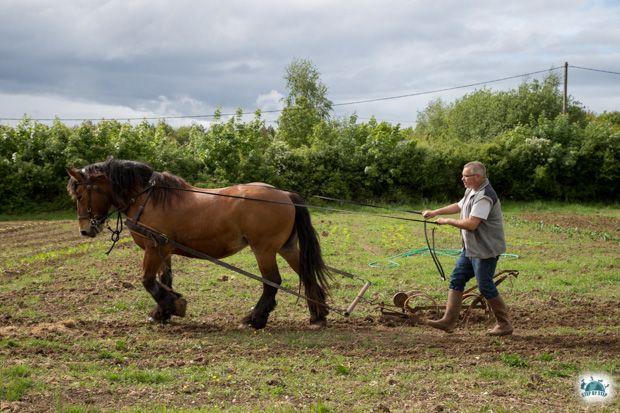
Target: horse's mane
130 178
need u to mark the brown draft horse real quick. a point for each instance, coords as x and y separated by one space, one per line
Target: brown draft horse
219 226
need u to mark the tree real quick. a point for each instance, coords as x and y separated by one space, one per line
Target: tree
306 104
482 115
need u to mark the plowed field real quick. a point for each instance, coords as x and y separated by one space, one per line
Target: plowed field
74 333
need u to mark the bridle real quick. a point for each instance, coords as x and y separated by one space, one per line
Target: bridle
96 221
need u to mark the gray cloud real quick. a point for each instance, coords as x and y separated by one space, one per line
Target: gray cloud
185 57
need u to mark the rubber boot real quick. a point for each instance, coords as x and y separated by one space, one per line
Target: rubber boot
451 317
503 326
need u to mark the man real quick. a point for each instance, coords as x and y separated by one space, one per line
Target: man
482 234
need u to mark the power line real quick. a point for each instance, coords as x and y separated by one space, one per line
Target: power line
208 116
595 70
280 110
444 89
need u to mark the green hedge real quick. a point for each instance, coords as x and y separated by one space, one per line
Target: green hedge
547 156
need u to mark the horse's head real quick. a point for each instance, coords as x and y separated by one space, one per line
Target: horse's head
92 194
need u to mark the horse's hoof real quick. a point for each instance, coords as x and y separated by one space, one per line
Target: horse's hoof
157 321
180 307
155 314
318 324
158 316
259 321
244 326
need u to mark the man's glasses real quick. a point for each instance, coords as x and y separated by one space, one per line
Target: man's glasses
470 175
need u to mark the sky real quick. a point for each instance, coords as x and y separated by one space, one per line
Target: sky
155 58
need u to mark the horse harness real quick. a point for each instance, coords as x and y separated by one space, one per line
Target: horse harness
161 239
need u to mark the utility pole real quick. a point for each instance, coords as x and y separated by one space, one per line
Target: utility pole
565 100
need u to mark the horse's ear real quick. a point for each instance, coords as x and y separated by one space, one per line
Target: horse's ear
76 174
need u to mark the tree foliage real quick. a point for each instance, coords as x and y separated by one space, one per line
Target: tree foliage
306 104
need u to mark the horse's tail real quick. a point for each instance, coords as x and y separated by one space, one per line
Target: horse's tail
313 271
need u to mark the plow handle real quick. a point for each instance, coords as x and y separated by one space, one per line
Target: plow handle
356 300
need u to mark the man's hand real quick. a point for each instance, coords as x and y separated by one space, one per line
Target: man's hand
442 221
427 213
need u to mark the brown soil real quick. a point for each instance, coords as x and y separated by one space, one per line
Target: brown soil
596 223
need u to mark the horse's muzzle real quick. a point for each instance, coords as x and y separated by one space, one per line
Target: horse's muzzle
91 232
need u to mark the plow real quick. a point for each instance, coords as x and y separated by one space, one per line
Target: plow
415 305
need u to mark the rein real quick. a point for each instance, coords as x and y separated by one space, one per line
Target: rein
344 201
296 204
160 238
115 236
431 248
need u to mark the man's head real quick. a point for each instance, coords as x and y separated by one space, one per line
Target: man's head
474 174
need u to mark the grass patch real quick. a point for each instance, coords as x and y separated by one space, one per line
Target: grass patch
43 344
134 376
563 370
40 215
8 343
15 382
343 370
494 373
545 357
120 345
513 360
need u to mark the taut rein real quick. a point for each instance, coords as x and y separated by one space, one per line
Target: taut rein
119 223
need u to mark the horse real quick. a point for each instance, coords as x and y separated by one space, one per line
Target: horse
219 223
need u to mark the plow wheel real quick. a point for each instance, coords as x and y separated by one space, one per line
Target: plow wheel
471 303
412 306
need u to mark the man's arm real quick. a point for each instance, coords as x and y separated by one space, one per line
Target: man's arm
447 210
479 211
469 224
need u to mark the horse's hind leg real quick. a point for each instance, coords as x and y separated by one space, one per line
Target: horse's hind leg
259 315
318 313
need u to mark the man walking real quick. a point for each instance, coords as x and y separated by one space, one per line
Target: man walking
482 233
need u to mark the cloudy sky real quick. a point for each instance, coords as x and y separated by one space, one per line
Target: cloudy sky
149 58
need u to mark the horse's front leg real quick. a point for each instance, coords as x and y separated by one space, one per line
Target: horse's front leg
165 275
169 302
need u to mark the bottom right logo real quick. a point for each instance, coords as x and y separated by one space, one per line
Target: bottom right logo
596 388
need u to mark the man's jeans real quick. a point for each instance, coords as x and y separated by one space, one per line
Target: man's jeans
483 269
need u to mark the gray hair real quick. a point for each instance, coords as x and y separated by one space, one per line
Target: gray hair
477 168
